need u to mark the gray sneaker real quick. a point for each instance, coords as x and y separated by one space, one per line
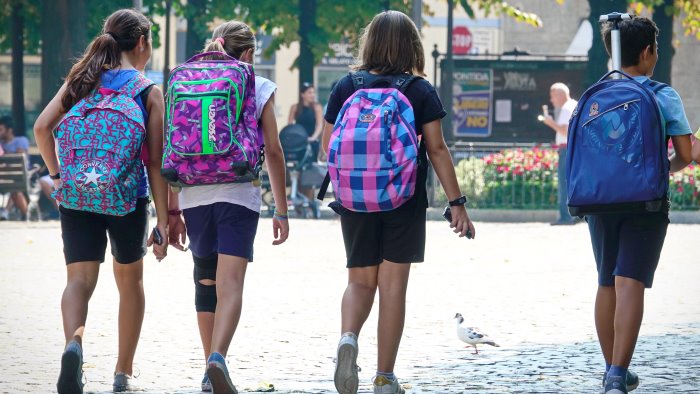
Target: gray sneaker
218 374
382 385
632 381
70 379
615 385
345 378
124 382
206 383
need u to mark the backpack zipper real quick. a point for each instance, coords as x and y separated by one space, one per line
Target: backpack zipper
624 105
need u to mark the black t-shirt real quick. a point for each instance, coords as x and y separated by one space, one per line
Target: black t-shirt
426 104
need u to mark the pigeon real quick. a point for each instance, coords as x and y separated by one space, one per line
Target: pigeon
472 335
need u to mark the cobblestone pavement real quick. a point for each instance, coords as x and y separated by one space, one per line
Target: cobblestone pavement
530 286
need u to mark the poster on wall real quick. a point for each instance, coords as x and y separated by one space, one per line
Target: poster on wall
471 103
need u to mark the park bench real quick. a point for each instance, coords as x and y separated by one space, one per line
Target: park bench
15 177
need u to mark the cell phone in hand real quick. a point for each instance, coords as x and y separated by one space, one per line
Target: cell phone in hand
157 237
447 214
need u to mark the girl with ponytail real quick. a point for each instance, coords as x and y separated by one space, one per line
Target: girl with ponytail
222 221
113 59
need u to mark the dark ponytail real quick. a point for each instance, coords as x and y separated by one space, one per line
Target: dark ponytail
121 32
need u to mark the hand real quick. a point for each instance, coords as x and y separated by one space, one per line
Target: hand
461 224
311 139
57 183
159 251
280 230
177 232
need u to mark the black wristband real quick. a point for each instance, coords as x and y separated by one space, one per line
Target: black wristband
55 176
458 201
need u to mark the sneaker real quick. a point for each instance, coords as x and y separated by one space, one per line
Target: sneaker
124 382
382 385
218 375
345 378
70 379
206 383
615 385
632 381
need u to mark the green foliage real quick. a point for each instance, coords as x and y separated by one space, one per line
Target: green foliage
30 13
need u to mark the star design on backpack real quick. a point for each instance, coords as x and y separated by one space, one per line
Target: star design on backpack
92 177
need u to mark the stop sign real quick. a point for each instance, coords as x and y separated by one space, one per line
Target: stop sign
461 40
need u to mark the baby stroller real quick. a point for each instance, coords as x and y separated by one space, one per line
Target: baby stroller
298 156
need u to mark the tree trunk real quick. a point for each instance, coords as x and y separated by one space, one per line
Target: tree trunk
62 40
197 33
17 37
664 22
597 56
307 24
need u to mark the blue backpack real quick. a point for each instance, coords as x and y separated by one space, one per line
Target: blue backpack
99 145
617 156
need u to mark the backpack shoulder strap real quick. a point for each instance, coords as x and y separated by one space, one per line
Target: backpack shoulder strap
136 85
401 82
360 79
656 86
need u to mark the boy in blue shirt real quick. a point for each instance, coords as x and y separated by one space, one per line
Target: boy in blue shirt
627 246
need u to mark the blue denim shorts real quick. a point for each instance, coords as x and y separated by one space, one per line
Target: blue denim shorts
222 228
627 245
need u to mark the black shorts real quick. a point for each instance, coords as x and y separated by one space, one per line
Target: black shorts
627 245
397 235
85 234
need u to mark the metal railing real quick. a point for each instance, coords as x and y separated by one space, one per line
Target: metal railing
524 176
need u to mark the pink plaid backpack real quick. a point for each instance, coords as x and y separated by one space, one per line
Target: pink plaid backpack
373 151
211 132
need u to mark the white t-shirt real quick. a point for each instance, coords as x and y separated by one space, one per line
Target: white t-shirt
563 118
243 194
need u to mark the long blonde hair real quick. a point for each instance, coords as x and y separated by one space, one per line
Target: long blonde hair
236 36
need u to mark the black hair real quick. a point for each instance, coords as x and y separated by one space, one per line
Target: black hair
7 122
636 34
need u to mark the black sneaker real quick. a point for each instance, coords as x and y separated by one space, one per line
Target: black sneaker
70 379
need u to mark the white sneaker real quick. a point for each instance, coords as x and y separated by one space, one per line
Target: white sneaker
382 385
345 378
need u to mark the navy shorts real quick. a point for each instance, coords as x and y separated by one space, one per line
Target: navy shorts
85 234
627 245
222 228
397 235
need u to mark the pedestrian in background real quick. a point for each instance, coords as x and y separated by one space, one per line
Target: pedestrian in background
114 61
380 246
564 107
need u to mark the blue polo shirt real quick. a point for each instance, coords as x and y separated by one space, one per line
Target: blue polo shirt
671 108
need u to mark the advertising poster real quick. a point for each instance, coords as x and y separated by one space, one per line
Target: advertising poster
471 102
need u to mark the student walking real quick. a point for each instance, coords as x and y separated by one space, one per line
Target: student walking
222 220
384 225
627 242
103 115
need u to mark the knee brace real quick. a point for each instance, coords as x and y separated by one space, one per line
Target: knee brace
205 295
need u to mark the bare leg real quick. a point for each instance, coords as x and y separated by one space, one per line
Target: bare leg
81 282
628 319
230 277
392 283
605 320
358 298
205 322
20 202
132 303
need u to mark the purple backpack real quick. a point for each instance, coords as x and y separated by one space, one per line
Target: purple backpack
373 151
99 146
211 132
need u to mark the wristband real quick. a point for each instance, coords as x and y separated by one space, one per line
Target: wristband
461 200
174 212
280 216
55 176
